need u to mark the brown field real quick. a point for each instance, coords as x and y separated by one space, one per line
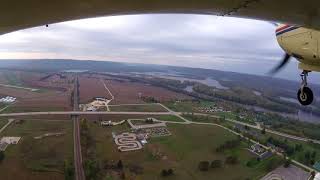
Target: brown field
138 108
55 91
40 118
37 101
90 88
52 95
112 117
128 92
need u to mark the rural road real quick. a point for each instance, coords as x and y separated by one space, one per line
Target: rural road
79 172
81 113
112 97
154 113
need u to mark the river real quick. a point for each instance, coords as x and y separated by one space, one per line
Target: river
301 115
208 81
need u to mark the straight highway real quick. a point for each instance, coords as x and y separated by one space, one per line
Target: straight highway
78 163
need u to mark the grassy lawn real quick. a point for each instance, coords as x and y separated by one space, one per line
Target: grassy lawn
138 108
187 106
182 151
297 155
169 118
37 159
300 155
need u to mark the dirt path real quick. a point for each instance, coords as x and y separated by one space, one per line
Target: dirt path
112 97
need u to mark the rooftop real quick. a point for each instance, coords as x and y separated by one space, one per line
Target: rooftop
317 165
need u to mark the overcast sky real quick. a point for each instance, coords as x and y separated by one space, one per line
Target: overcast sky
231 44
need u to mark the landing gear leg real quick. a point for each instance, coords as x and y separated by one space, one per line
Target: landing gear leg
305 94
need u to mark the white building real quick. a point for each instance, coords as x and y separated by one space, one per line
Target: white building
106 123
8 99
10 140
6 141
91 108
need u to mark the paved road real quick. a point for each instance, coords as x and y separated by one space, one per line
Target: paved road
81 113
178 114
154 113
79 172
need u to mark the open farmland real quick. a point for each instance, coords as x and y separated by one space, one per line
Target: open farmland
120 117
37 159
182 151
91 88
37 101
128 92
32 93
138 108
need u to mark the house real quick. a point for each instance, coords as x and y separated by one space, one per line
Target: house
266 155
6 141
100 99
257 148
91 108
10 140
106 123
317 166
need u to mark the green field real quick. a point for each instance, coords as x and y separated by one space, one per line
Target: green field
182 151
138 108
306 147
37 159
298 155
169 118
187 106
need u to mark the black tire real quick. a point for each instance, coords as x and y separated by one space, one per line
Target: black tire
306 98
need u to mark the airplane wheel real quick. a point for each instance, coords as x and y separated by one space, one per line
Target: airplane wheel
306 97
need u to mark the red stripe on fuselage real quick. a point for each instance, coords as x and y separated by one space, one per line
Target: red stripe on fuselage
282 28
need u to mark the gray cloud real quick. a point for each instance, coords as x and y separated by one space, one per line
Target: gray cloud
187 40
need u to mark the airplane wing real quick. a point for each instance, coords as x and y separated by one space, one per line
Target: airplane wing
21 14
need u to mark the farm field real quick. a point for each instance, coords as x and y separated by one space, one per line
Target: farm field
35 101
120 117
295 152
90 88
33 94
182 151
37 158
138 108
128 92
